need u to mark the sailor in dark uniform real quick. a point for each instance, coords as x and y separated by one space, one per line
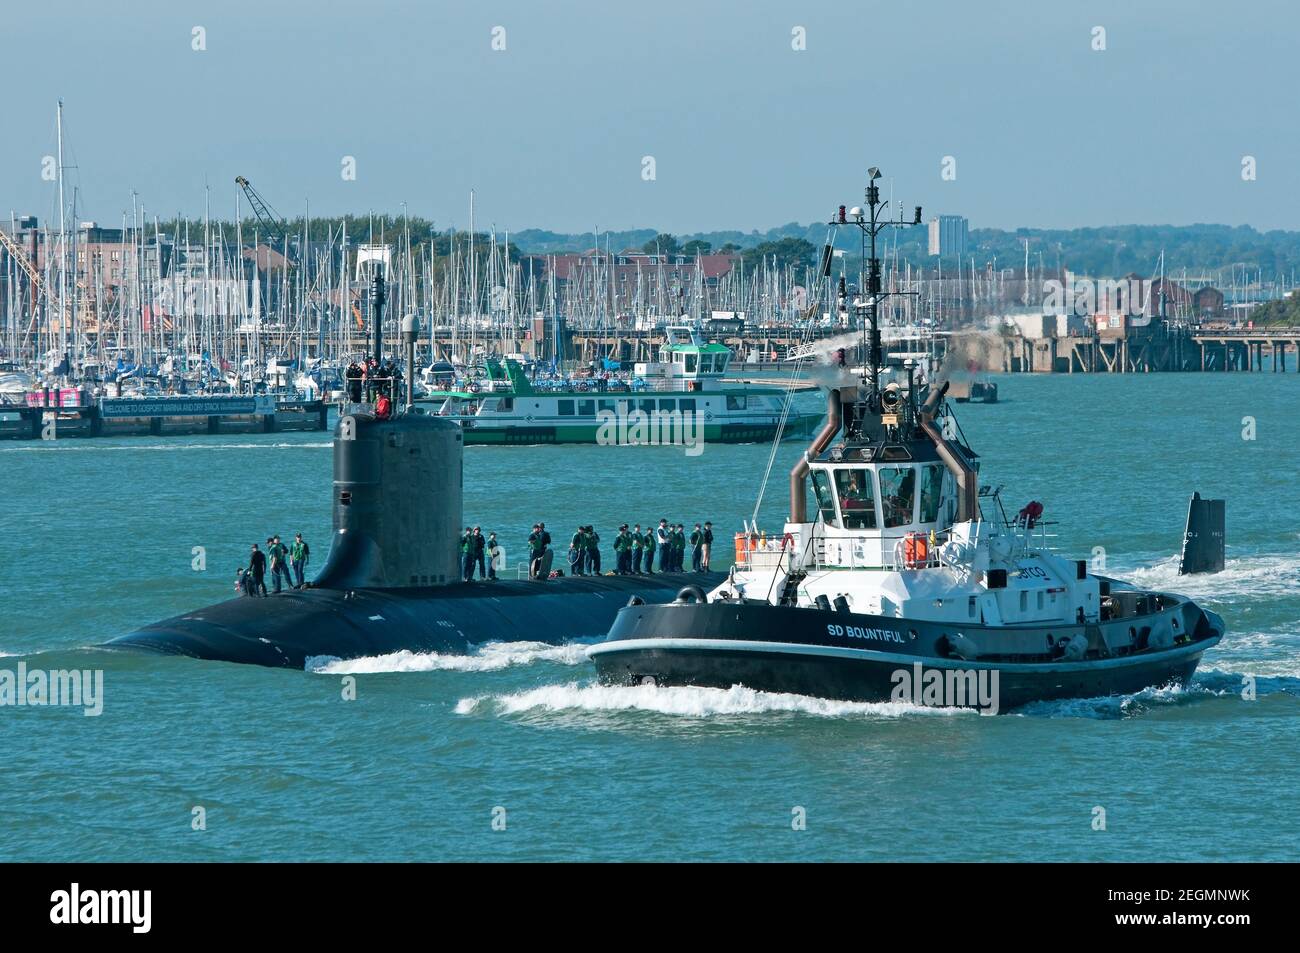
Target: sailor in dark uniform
638 545
577 551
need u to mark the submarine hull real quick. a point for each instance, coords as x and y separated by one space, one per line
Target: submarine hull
288 629
391 581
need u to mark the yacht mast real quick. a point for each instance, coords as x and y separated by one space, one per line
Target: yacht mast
63 314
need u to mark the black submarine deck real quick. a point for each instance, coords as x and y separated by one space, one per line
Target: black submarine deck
287 629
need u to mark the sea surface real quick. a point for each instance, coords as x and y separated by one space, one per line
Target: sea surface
514 753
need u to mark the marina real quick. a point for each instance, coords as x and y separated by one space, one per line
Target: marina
262 309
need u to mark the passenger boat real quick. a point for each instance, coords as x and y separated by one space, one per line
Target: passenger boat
681 398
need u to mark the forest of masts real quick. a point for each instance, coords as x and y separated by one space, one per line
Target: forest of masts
221 290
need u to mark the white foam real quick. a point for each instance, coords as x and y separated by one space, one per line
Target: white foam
685 702
1120 706
489 657
1245 577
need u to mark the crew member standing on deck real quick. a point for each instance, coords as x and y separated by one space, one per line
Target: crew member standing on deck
637 544
663 537
353 375
467 555
697 549
480 544
299 553
257 566
279 554
623 551
708 544
593 551
536 550
649 540
493 554
577 551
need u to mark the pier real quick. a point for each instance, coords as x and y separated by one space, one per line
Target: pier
59 417
1157 347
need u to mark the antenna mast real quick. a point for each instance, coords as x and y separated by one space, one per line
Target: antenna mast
871 224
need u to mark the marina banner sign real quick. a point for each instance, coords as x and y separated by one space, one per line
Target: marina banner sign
118 407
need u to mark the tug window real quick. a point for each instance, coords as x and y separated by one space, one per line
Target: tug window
647 406
857 502
825 499
566 408
706 363
931 484
897 494
586 407
691 361
735 402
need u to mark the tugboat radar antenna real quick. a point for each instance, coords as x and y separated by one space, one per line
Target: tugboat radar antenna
870 224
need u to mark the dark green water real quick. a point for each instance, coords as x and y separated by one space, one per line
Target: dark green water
98 538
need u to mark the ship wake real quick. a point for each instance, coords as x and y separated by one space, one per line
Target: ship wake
684 702
489 657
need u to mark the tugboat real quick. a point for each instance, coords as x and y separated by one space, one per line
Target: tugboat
908 582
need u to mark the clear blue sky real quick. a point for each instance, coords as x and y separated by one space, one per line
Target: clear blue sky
745 131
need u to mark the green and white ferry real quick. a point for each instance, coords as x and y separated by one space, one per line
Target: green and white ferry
681 399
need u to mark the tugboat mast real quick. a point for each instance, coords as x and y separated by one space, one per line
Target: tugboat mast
871 224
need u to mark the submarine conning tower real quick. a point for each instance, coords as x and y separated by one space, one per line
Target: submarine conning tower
397 502
398 482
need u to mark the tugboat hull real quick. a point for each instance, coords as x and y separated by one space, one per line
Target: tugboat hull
855 657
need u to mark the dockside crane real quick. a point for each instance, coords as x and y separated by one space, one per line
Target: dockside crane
297 263
276 227
33 276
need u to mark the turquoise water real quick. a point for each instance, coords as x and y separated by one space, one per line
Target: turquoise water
99 536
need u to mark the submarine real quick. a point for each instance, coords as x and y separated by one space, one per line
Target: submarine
392 579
